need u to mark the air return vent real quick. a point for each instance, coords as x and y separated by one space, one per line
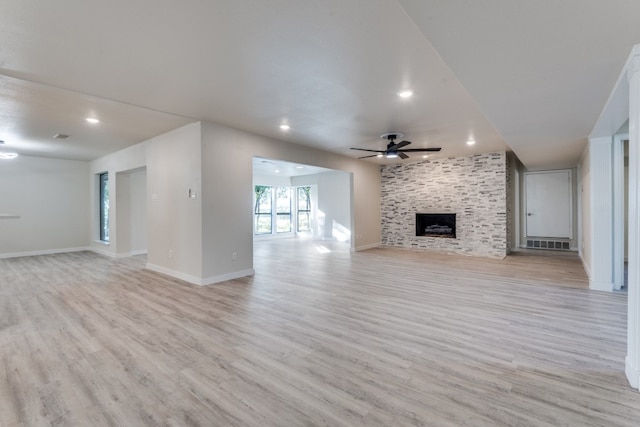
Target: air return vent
556 245
60 136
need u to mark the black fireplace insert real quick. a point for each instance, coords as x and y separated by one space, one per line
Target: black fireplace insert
436 225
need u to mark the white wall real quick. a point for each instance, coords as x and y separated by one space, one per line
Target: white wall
227 198
174 219
194 238
333 210
131 212
584 187
123 213
51 198
274 181
139 211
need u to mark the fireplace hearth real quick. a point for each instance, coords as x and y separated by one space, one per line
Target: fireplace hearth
436 225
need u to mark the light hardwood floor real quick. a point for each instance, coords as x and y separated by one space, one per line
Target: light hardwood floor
320 336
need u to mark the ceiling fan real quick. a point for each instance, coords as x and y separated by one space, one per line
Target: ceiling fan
395 150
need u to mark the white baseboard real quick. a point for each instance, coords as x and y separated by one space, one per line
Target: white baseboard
365 247
176 274
103 252
139 252
196 280
600 286
228 276
44 252
584 264
633 374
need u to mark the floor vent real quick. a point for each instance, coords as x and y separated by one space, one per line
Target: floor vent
548 244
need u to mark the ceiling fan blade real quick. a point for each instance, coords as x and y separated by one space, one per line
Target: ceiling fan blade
401 144
366 157
402 155
418 150
372 151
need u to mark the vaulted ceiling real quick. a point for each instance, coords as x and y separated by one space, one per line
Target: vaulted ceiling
510 74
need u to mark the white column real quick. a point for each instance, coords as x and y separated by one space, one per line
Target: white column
601 167
632 366
618 211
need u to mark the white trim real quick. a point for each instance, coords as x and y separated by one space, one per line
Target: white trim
132 253
601 208
43 252
526 208
273 236
632 373
586 267
227 277
197 281
103 252
517 226
618 210
175 274
365 247
101 242
600 286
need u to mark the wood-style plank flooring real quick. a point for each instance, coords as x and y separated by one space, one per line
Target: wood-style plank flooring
319 336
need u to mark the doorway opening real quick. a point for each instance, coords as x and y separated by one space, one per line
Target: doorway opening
292 200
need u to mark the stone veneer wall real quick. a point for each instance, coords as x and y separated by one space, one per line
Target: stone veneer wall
473 187
510 200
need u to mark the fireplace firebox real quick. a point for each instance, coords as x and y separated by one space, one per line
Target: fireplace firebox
436 225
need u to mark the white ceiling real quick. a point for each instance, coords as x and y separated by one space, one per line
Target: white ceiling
532 76
270 167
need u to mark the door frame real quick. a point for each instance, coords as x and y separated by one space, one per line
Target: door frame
526 208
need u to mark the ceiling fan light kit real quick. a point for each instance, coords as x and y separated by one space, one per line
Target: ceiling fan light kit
394 150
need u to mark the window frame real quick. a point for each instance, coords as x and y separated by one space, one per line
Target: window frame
307 212
103 206
257 213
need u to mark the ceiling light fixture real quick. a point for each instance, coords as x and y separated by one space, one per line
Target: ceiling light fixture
8 156
392 155
92 120
405 93
470 142
379 155
277 170
425 156
299 167
285 127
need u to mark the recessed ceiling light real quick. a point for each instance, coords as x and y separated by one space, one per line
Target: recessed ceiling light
299 167
8 156
285 127
379 155
92 120
470 142
405 93
277 170
425 156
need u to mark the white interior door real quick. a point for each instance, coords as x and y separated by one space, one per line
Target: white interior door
548 198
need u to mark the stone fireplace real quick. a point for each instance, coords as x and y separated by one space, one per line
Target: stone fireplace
472 189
